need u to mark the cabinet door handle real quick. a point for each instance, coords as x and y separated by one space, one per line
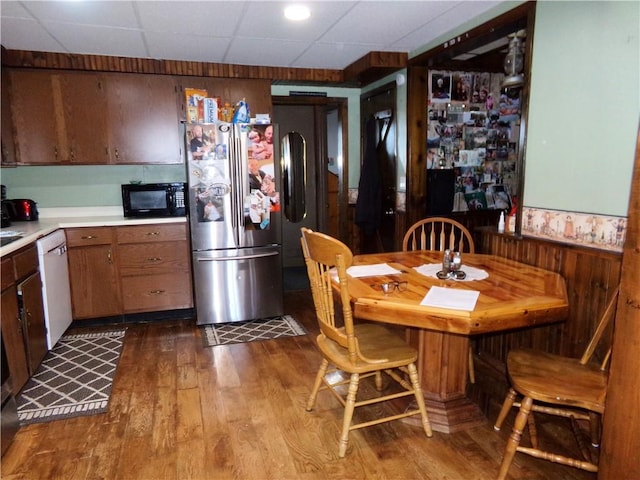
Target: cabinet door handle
109 256
148 234
156 292
154 259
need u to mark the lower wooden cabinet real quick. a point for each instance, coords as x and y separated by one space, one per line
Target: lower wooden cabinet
34 329
13 339
155 270
130 269
93 272
23 323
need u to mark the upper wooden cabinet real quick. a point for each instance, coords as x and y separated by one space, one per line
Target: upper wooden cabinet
68 117
143 119
35 118
8 142
59 118
83 118
85 125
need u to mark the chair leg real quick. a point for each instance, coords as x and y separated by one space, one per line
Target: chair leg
316 386
379 381
506 407
533 431
594 428
415 382
348 413
514 438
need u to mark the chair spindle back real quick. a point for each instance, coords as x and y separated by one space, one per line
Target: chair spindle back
438 234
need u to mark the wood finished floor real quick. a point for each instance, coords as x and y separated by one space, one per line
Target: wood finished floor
182 411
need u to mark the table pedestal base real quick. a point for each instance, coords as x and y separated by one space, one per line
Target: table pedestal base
450 416
443 367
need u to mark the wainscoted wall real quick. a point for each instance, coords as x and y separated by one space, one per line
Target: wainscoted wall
585 229
591 276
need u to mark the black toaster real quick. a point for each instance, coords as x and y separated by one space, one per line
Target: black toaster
24 210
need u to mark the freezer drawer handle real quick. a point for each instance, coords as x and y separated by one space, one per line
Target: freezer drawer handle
243 257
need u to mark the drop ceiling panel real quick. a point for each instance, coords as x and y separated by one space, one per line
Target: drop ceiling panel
115 14
14 9
266 20
25 34
263 51
179 46
217 19
335 56
99 40
456 15
377 24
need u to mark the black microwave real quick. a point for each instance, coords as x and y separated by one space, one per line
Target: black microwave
154 200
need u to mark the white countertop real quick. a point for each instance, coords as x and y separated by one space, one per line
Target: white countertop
52 219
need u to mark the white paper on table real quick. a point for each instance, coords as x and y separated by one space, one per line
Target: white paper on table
451 298
372 270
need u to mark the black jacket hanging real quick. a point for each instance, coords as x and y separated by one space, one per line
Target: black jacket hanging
369 203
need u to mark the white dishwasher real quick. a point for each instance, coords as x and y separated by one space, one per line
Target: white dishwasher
56 294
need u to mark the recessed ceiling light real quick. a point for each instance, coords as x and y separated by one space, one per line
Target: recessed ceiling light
297 12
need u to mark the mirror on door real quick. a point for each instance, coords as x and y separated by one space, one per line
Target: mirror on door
294 178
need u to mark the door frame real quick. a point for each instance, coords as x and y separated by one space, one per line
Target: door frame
321 106
391 90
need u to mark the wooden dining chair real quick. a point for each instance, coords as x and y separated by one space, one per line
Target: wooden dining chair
567 387
439 234
359 350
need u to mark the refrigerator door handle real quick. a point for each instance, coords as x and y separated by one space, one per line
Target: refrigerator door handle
242 257
235 196
243 172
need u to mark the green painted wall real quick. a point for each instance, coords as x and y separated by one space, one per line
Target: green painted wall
82 186
585 106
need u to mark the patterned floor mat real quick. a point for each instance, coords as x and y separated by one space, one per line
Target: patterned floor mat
243 332
74 379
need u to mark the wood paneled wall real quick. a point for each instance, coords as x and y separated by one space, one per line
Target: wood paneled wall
105 63
621 430
591 276
370 68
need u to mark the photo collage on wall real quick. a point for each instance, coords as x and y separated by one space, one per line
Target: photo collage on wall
473 128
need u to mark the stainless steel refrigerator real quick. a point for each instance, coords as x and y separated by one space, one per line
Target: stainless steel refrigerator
233 174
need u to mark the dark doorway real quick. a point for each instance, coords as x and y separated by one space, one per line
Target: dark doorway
380 104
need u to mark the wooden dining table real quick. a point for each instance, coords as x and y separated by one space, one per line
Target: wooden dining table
513 295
